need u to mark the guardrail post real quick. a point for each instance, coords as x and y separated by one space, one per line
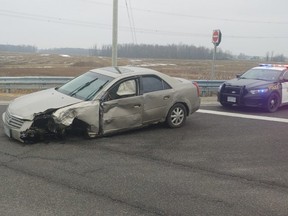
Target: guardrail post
7 89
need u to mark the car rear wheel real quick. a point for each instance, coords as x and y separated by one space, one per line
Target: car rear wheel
273 102
176 116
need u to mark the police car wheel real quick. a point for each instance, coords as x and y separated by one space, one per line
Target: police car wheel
273 102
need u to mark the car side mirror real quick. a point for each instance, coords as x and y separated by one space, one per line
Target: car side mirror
238 75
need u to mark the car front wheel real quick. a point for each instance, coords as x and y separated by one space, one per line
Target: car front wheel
273 102
176 116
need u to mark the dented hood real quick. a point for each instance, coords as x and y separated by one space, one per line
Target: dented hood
26 106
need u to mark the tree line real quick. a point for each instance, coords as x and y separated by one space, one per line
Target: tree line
172 51
18 48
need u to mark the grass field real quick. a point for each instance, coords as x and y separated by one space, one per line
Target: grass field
15 64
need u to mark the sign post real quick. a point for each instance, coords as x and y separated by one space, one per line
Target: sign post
216 40
115 33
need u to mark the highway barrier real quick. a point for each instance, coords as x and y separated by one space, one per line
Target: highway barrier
208 87
31 82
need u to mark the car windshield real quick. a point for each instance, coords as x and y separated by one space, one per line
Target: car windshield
85 86
262 74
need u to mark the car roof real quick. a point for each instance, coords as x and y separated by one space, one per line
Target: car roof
127 71
123 71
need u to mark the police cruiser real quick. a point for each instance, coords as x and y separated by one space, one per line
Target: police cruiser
265 86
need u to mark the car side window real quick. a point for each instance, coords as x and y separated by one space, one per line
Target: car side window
153 83
127 88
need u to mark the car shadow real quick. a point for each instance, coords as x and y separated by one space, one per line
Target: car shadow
253 110
75 136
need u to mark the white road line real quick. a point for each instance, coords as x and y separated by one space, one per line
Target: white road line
264 118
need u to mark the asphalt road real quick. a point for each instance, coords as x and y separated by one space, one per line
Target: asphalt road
214 165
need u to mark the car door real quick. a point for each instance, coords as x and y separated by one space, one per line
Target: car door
285 88
157 98
122 107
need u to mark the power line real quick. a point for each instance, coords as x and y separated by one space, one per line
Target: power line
212 18
131 22
50 19
201 17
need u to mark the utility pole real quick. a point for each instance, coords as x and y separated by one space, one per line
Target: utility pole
115 33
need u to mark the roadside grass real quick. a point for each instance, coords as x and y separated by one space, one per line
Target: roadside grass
18 64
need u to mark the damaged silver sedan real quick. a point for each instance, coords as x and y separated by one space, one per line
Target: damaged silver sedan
100 102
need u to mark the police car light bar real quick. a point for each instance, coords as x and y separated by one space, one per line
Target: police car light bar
265 65
273 65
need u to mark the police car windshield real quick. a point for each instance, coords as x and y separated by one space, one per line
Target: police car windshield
262 74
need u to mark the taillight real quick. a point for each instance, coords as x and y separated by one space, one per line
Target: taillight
198 88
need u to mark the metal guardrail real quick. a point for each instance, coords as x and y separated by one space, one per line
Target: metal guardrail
209 87
7 84
32 82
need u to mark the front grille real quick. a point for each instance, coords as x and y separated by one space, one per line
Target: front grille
13 121
233 94
233 90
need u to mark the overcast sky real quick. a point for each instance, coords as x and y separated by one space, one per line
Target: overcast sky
252 27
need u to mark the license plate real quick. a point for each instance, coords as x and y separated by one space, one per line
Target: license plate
7 131
231 99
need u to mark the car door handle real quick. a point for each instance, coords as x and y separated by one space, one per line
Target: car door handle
137 106
166 97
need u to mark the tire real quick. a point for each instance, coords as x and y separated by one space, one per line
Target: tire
273 102
176 116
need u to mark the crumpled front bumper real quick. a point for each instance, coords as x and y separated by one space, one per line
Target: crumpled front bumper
10 129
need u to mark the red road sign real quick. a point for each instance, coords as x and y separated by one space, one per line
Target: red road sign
216 37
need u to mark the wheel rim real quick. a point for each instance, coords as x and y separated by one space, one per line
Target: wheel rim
273 103
177 116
